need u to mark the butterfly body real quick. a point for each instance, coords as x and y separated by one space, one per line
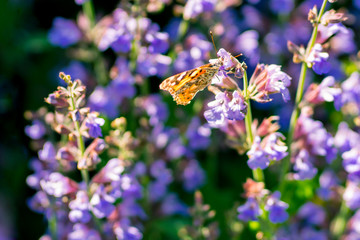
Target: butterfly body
184 86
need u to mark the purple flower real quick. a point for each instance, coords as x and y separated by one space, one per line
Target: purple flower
149 64
93 123
262 152
248 44
36 130
196 51
351 92
258 158
312 213
352 195
351 164
111 172
193 176
249 211
269 79
193 8
325 92
176 148
130 187
80 208
225 106
163 177
101 204
318 59
124 231
159 42
102 101
129 208
325 32
346 139
215 115
275 149
159 171
313 137
48 153
303 166
328 180
281 6
58 185
82 231
276 208
39 202
172 205
198 135
156 109
64 33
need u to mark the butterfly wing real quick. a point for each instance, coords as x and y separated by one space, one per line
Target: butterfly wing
184 86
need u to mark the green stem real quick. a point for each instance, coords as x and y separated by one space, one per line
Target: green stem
80 140
53 224
99 63
299 95
89 12
257 173
338 225
183 27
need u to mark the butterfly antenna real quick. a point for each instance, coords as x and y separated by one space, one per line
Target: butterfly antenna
212 39
238 55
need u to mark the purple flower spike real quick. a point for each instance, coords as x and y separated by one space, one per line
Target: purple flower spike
249 211
64 33
318 59
276 208
36 130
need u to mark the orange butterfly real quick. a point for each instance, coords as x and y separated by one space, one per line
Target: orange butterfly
184 86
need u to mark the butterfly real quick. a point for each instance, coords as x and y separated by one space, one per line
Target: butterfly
184 86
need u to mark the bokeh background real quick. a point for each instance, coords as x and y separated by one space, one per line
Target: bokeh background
29 67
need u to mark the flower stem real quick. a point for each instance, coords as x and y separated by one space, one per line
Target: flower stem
80 140
338 225
257 173
88 9
299 95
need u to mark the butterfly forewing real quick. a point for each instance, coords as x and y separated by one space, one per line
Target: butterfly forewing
184 86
